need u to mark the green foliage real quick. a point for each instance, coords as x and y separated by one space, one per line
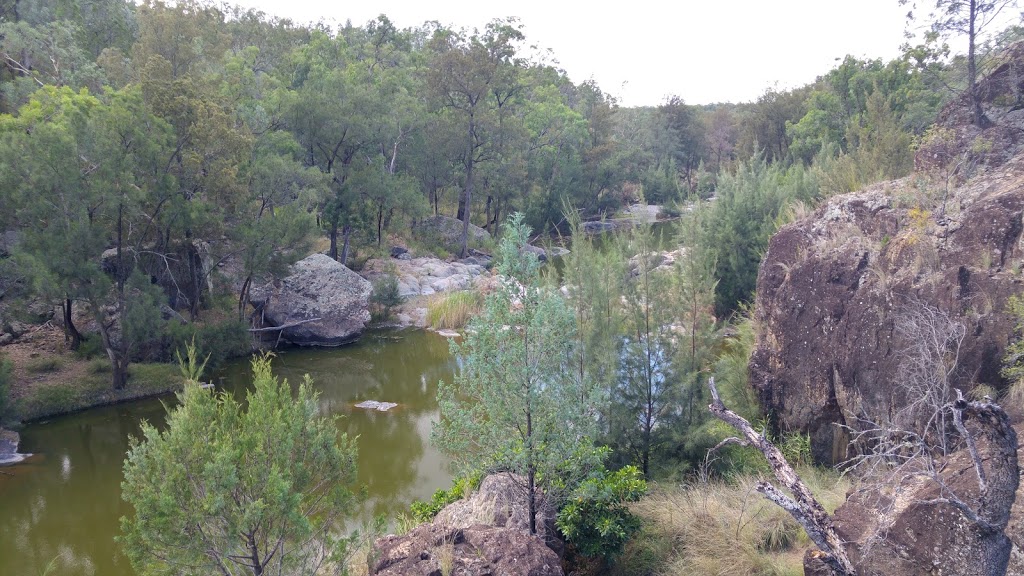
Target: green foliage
191 366
6 369
215 341
595 518
426 511
231 487
385 296
44 364
1013 359
518 403
742 220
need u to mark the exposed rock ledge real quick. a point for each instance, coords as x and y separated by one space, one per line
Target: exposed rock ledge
486 533
426 276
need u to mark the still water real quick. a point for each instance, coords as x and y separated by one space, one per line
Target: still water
61 507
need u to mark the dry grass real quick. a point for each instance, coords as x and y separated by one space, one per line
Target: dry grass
726 529
452 310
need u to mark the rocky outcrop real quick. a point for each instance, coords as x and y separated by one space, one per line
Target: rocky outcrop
317 288
902 531
447 233
832 287
425 276
487 533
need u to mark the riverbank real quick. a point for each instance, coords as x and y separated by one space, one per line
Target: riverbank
48 381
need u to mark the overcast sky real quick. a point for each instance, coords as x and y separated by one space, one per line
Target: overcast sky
641 51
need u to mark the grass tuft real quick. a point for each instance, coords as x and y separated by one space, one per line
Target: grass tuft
452 310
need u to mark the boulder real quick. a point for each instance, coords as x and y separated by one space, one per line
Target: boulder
598 227
447 232
399 252
433 550
425 276
318 287
903 532
487 533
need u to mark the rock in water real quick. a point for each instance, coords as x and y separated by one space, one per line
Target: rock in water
376 405
318 287
9 447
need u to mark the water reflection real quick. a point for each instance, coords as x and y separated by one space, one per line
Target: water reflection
62 505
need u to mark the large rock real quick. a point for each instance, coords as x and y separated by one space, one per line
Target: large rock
832 287
901 531
425 276
487 533
447 232
318 287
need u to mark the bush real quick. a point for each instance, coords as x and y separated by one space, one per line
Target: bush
218 341
595 519
426 511
723 528
385 296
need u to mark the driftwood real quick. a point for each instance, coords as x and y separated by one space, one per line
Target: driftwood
281 328
803 506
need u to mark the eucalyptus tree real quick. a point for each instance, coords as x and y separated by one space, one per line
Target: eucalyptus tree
474 77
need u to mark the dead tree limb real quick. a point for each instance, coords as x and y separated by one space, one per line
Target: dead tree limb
803 506
283 326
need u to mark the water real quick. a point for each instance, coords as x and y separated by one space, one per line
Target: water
62 505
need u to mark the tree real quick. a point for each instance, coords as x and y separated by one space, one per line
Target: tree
72 211
232 490
970 18
475 78
519 404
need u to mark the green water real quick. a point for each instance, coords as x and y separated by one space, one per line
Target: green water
63 504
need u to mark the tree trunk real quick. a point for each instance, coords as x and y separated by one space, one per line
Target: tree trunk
972 68
346 233
71 333
468 201
333 235
243 297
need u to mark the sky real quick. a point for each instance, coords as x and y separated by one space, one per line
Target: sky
643 51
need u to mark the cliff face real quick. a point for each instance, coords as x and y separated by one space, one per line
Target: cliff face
833 286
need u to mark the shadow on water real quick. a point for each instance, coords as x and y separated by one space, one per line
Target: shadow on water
65 501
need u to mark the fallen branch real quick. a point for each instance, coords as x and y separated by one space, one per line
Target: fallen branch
803 506
283 326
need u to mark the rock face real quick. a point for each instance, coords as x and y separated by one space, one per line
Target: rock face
447 232
832 286
318 287
487 533
900 533
425 276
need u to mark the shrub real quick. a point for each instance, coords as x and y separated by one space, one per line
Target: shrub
426 511
595 519
385 296
216 341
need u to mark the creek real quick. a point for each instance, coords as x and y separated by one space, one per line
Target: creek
60 508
